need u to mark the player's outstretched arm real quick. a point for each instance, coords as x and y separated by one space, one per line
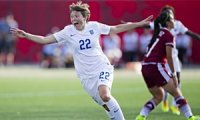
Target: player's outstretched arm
194 35
145 26
130 25
35 38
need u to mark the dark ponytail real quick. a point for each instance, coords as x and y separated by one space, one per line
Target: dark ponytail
158 23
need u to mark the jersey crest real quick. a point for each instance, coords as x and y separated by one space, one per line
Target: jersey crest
91 32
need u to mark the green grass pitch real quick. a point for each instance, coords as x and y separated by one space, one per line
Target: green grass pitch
41 94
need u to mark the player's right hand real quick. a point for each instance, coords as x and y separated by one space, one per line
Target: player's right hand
17 32
175 79
146 21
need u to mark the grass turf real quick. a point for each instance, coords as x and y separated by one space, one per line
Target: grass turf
41 94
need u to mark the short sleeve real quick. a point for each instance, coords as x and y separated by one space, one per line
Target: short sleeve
104 29
61 36
181 28
169 39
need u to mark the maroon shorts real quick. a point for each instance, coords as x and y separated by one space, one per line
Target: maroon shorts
155 74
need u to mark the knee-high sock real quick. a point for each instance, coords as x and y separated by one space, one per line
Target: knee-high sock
114 111
148 107
166 95
183 106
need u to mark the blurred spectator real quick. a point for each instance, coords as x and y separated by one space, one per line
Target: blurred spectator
7 40
56 55
184 46
130 48
111 45
144 40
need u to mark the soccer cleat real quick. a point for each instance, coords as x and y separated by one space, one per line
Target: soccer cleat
140 117
165 106
175 110
194 118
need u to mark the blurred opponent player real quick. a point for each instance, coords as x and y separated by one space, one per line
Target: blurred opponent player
179 28
157 78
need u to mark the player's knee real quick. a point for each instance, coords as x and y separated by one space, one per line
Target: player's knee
105 97
104 93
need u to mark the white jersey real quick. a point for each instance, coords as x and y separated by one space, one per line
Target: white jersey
179 28
87 53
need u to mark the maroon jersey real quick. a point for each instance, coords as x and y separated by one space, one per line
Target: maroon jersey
157 52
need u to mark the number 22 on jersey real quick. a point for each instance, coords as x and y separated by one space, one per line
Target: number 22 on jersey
85 44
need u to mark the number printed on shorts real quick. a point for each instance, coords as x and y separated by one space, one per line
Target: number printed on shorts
85 44
104 75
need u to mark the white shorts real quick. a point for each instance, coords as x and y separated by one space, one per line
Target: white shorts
176 62
92 83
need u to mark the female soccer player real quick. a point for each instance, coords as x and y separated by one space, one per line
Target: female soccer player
179 28
154 72
92 66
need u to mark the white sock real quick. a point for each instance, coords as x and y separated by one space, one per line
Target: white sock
115 112
165 96
145 111
148 107
173 102
183 106
186 110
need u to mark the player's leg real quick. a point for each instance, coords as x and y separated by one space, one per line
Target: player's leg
157 93
180 100
10 49
103 95
99 90
174 108
177 66
2 51
110 104
165 105
153 76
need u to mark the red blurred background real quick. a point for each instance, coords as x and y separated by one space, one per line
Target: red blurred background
39 16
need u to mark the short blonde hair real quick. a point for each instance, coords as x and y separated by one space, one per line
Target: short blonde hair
81 7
